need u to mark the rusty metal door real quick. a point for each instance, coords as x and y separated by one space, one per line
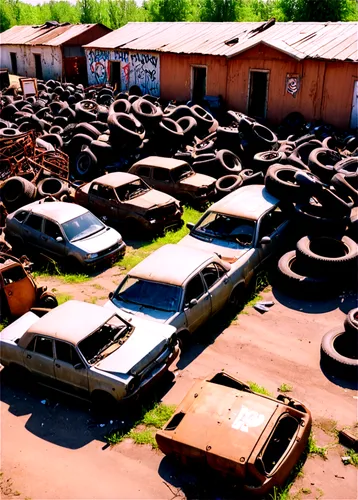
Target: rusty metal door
19 291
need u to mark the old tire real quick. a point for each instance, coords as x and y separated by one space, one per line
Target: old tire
228 183
321 161
314 220
351 322
353 225
48 300
125 128
322 256
85 165
228 161
264 160
336 349
344 188
280 182
17 191
51 186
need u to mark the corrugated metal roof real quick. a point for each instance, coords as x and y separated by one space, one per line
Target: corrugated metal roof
42 35
332 41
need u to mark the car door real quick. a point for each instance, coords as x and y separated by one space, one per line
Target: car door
32 231
272 225
161 180
197 303
38 359
70 371
98 201
19 290
218 284
54 239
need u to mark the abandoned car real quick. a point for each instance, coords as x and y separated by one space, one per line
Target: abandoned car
18 289
222 424
64 232
176 177
176 285
88 351
244 228
126 199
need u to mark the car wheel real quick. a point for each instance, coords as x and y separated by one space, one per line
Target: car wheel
339 353
280 182
351 322
48 300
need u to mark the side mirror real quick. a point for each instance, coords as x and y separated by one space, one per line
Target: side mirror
110 295
78 366
59 239
190 225
266 240
193 303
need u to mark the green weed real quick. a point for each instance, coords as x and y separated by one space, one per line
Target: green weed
145 436
313 449
261 283
4 324
258 388
285 387
281 493
53 270
91 300
353 456
62 298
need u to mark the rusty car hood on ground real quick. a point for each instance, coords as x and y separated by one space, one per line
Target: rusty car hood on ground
198 181
150 199
135 354
139 311
227 250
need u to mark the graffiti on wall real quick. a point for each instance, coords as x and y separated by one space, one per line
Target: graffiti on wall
97 61
144 72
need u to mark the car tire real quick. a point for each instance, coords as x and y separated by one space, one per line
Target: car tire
348 167
85 165
17 191
314 220
228 161
203 118
322 256
48 300
353 225
280 182
344 188
19 376
120 106
125 128
87 129
86 110
351 322
52 186
147 112
299 156
54 139
264 159
337 361
189 126
321 162
228 184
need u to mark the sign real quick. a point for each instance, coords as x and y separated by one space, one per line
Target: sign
29 86
293 83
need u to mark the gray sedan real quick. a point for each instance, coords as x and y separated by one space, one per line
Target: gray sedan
63 231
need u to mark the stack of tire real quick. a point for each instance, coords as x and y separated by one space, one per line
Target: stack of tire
339 349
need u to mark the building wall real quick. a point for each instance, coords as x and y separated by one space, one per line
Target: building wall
142 69
51 59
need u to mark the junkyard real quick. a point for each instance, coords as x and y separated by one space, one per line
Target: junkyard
178 285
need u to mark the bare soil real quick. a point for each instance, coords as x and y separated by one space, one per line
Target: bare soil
57 450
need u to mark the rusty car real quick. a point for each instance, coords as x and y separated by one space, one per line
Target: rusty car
223 425
64 232
88 351
122 198
176 177
19 291
175 285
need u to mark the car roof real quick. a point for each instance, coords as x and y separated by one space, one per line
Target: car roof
249 202
115 179
72 321
58 211
172 264
160 162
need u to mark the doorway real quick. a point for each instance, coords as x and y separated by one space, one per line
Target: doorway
258 91
116 75
198 79
13 57
354 114
38 66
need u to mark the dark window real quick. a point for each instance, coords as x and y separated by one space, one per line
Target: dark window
143 172
13 57
21 215
116 74
35 222
194 289
13 275
270 222
52 230
44 346
160 174
31 346
38 66
212 273
104 192
198 84
258 94
66 353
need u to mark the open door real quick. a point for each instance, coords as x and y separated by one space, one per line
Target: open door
115 73
258 93
198 83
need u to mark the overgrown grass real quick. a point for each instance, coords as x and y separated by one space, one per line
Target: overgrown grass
259 388
135 255
285 387
143 430
314 449
261 283
63 297
53 270
4 324
353 456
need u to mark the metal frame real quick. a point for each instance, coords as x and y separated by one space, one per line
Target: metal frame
253 70
192 66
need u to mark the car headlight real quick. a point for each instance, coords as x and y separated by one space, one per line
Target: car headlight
92 255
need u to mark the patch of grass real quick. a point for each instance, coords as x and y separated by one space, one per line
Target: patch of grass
4 324
52 269
306 491
63 297
281 493
97 286
259 388
254 301
285 387
149 421
353 456
91 300
313 449
261 283
135 255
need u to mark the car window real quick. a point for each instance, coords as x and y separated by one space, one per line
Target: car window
31 346
34 221
13 275
161 174
143 172
270 222
104 192
52 229
132 190
66 353
21 215
212 273
227 228
182 172
194 289
82 226
44 346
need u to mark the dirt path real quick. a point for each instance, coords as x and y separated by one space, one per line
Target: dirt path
57 451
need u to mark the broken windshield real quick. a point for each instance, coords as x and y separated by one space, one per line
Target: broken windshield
108 338
227 227
132 190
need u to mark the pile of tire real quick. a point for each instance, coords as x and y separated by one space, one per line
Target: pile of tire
339 349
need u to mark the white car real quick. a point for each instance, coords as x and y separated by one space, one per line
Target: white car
89 351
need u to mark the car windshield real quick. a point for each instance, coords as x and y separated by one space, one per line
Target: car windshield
182 172
82 226
132 190
108 338
227 227
149 294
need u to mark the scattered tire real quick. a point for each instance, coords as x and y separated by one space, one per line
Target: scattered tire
228 183
17 191
125 128
228 161
86 165
313 219
322 161
280 182
339 354
344 188
51 186
147 112
120 106
264 159
351 322
353 225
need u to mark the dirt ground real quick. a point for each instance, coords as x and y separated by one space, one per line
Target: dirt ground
57 450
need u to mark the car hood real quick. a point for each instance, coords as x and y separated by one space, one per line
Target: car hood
141 349
99 241
141 311
18 327
229 251
198 180
150 199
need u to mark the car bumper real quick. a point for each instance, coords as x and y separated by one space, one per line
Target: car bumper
165 223
110 257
